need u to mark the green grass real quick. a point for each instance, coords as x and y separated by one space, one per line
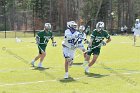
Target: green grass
117 69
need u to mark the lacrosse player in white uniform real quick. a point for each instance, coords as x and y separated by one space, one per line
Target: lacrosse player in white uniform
83 38
69 45
136 30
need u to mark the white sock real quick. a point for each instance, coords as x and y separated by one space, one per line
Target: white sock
67 73
33 61
87 67
40 64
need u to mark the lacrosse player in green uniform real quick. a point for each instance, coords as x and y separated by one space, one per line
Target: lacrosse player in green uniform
96 41
42 39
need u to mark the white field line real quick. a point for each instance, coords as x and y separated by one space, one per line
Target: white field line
129 73
35 82
55 80
25 83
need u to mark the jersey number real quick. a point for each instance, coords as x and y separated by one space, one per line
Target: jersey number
71 41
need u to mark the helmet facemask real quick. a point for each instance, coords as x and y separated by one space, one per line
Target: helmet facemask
47 26
100 26
72 25
137 21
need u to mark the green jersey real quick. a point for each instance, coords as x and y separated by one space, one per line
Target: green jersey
98 37
43 37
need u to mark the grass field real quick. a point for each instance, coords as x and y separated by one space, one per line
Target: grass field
116 71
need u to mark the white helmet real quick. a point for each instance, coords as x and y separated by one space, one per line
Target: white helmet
47 26
137 20
81 28
72 24
100 26
68 24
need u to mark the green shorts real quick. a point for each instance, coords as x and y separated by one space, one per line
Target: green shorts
95 51
41 48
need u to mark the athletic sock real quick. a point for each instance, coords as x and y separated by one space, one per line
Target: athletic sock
40 64
67 73
33 61
87 69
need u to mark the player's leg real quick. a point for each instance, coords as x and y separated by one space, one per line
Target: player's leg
93 60
69 56
42 54
96 53
37 57
66 56
84 53
91 63
83 50
87 57
67 60
134 40
66 65
136 33
72 53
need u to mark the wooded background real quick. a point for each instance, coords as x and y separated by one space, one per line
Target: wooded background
30 15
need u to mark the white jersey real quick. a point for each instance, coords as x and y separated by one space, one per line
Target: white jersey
70 39
83 37
137 26
137 29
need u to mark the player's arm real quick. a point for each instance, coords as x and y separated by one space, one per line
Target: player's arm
92 37
107 36
108 40
53 42
37 38
52 39
85 39
90 42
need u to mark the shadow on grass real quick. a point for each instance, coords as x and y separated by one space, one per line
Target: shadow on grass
77 63
137 46
95 75
70 79
40 68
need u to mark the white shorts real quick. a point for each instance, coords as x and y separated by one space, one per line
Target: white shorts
68 53
137 32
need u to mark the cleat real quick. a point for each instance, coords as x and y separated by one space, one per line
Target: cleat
66 76
86 70
32 63
40 65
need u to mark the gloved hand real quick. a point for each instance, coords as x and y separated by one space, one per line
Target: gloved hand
89 48
103 43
